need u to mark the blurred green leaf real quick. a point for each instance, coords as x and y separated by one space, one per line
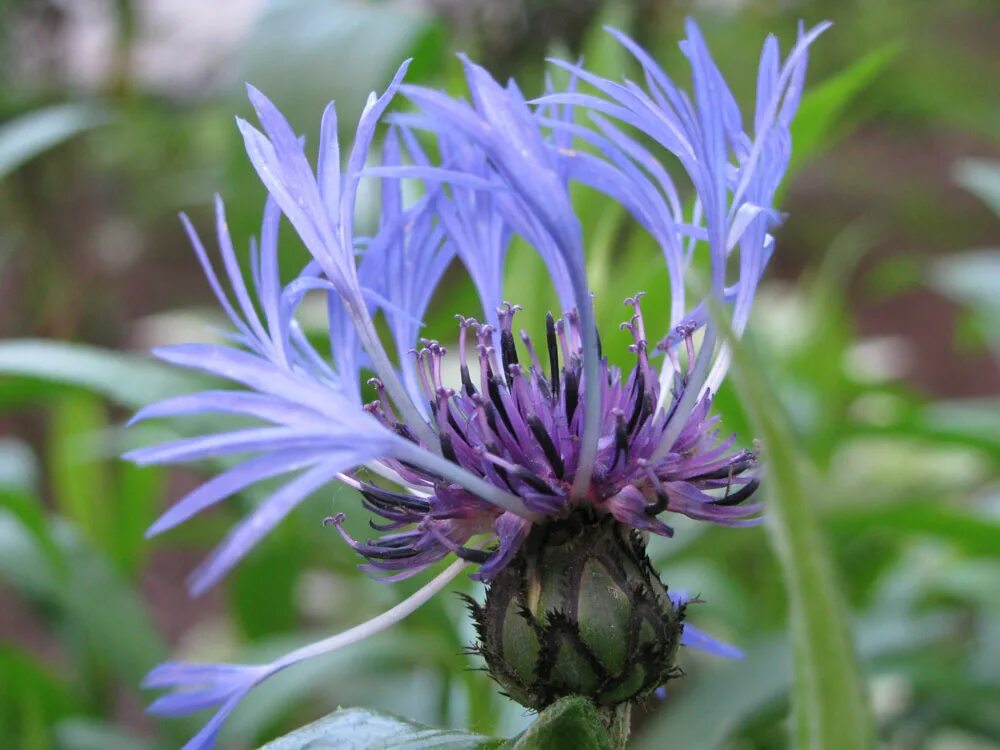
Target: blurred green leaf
318 43
358 727
108 619
821 116
25 515
116 627
24 563
112 502
262 591
829 701
744 688
31 134
77 733
138 501
394 671
80 482
982 178
974 535
33 366
970 418
32 698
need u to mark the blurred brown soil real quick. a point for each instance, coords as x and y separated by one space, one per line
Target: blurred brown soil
899 182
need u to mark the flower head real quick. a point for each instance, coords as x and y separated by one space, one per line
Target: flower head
530 433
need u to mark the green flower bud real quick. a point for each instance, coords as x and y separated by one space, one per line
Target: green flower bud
579 611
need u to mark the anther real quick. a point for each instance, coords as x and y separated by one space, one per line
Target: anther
526 340
548 447
621 437
550 338
471 555
572 392
508 353
735 498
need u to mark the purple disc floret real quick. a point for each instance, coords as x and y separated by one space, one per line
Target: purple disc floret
518 426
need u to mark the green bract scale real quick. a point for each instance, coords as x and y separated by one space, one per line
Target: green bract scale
579 611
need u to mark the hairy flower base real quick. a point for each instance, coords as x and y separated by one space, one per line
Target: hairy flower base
579 611
519 428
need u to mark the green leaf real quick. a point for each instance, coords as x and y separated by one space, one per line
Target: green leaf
78 733
971 418
317 44
112 502
116 627
262 588
743 689
25 563
974 535
358 727
138 501
33 364
109 623
32 698
81 484
821 112
829 702
33 133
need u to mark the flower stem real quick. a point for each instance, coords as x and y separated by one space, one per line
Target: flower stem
619 723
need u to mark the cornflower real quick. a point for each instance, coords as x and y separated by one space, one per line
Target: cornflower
543 466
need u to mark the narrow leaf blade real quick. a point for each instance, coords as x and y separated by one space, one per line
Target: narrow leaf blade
830 706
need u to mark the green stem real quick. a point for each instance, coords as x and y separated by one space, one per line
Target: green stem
619 724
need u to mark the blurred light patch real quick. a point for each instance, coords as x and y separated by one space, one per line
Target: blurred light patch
178 326
179 46
900 467
781 318
878 359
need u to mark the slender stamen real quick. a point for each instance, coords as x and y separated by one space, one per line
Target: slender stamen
438 352
561 326
508 352
384 402
688 398
421 355
536 365
662 499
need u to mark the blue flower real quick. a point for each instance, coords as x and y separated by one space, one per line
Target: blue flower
528 433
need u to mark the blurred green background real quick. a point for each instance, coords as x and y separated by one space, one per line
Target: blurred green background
878 328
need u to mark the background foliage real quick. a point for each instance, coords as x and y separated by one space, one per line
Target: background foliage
875 343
